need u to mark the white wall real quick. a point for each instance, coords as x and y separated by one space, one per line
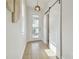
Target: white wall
45 30
67 29
15 36
41 26
29 20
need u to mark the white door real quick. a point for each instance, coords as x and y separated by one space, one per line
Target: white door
54 29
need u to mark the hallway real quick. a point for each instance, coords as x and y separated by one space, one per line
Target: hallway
35 50
47 22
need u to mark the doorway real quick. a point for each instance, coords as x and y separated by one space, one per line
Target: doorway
46 29
47 16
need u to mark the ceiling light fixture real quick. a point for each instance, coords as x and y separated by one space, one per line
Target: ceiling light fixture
37 7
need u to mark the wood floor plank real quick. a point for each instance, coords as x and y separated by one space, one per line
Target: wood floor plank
35 50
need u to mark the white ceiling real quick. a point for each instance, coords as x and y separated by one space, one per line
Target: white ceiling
32 3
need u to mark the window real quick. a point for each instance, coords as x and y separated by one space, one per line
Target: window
35 26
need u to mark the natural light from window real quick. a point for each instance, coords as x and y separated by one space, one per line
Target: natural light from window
35 26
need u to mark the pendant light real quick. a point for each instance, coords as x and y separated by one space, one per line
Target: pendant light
37 7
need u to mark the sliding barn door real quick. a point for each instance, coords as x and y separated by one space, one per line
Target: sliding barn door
54 29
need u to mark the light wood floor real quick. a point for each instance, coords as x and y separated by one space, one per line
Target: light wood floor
35 50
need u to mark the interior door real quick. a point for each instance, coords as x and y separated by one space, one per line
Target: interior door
54 29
